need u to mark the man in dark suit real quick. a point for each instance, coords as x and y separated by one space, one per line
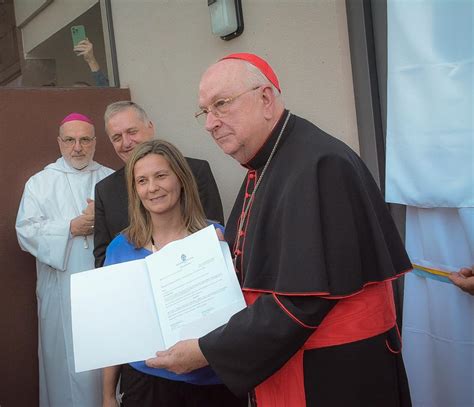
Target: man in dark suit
127 125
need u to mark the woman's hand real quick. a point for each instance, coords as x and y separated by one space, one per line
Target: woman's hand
110 402
464 279
181 358
110 377
220 235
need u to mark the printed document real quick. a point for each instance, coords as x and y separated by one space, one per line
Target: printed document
126 312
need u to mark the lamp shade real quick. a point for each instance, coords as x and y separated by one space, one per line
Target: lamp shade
224 17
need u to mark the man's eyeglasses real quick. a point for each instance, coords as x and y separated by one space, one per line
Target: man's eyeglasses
83 141
219 108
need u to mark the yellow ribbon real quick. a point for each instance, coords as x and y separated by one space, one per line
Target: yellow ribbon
431 271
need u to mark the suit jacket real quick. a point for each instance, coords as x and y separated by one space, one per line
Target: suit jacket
111 204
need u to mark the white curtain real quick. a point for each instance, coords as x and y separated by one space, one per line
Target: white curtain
430 131
430 168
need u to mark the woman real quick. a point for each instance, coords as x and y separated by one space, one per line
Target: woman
163 206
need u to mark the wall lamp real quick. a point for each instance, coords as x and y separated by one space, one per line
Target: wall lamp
227 20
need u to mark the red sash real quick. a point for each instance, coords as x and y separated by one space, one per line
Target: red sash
360 316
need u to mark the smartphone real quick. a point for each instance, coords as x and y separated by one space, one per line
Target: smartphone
78 33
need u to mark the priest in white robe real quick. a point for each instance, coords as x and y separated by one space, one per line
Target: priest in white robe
55 223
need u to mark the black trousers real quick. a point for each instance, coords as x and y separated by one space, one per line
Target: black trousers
142 390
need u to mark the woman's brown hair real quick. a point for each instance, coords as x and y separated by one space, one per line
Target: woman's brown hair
140 227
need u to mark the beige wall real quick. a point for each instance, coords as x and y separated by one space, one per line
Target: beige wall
163 47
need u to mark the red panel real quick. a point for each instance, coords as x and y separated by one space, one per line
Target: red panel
29 121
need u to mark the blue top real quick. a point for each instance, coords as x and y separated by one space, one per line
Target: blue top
121 250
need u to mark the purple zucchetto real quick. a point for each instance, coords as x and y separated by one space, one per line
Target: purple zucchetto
76 116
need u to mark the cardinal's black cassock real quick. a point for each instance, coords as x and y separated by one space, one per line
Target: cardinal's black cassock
316 251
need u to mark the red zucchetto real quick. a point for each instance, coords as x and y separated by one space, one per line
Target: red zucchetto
258 62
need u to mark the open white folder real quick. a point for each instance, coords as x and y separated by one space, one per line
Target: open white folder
128 311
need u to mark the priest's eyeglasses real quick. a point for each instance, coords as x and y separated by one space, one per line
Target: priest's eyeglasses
220 107
83 141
